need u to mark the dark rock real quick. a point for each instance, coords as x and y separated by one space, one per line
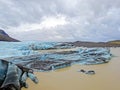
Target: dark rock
5 37
3 33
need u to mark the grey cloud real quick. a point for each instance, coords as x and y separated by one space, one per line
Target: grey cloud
93 20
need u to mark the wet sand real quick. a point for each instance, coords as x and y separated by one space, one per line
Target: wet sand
107 77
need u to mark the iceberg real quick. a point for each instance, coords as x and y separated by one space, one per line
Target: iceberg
13 77
27 54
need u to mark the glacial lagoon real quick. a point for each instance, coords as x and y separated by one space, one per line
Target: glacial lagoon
58 60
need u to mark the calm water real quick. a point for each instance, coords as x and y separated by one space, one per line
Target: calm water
107 77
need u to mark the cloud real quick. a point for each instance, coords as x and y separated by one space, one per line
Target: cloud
61 20
45 23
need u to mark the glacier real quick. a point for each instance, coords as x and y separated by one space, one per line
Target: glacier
11 49
28 54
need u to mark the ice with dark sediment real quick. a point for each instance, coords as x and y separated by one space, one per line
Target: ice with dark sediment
25 53
13 77
17 59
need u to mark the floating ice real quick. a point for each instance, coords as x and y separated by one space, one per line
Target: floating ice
13 77
25 53
11 49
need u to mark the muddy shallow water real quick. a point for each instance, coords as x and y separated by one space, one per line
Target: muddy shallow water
107 77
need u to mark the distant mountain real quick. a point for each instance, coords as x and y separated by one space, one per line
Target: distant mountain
5 37
115 43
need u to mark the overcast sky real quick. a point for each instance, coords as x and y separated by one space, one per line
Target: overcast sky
61 20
